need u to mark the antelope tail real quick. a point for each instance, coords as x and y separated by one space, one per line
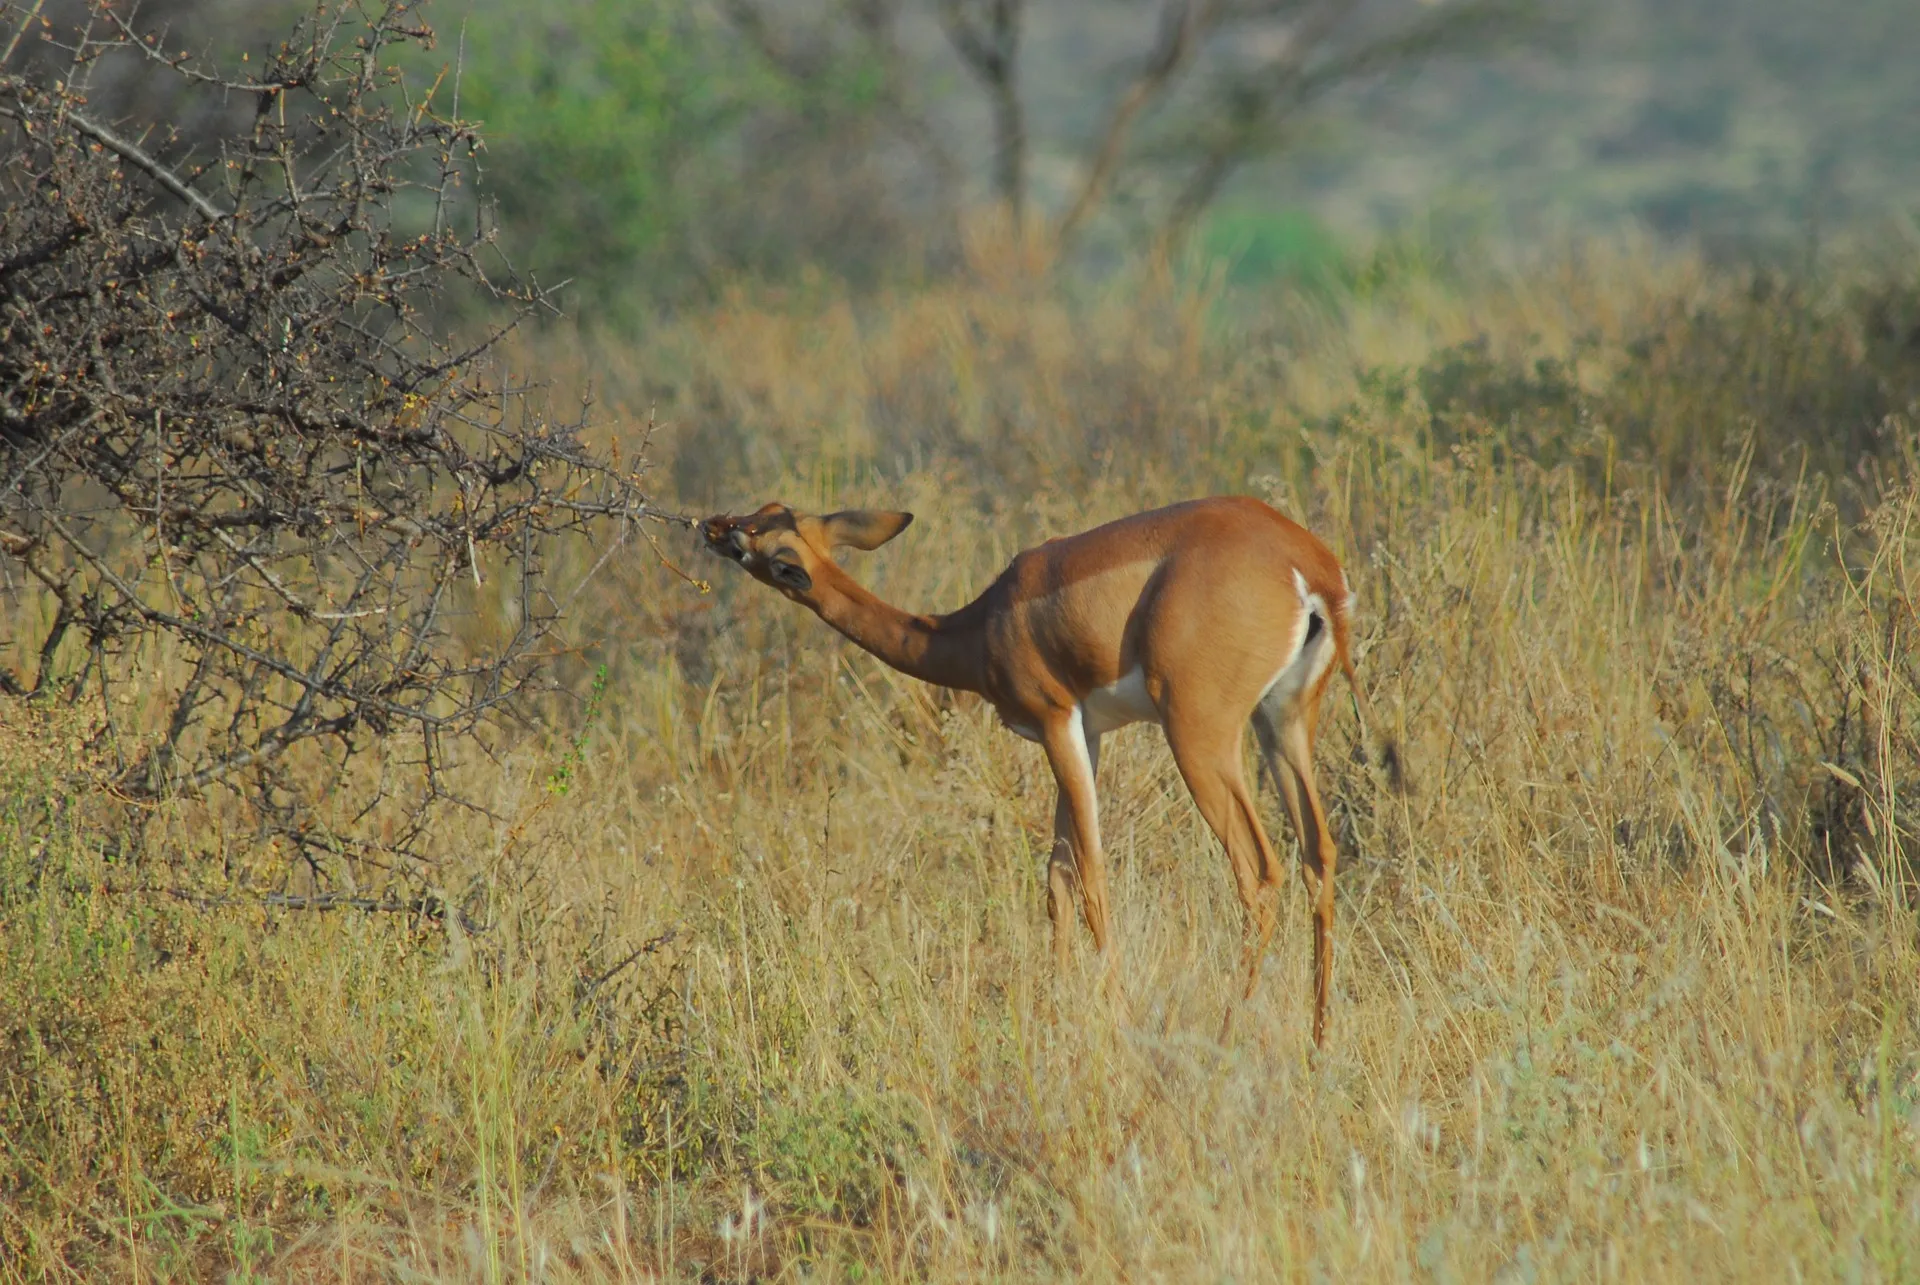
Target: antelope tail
1383 750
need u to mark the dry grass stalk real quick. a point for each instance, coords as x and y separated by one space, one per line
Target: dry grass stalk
1627 990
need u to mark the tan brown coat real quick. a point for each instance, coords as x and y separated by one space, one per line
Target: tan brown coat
1202 617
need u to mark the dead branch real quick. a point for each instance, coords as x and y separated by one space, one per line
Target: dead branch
233 433
428 907
131 153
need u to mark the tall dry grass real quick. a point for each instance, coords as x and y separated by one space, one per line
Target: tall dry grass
757 982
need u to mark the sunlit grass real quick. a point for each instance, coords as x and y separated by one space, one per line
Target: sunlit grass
1625 986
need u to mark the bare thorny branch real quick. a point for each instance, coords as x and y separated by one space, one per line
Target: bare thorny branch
259 492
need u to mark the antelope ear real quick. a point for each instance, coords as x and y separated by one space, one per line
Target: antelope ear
863 528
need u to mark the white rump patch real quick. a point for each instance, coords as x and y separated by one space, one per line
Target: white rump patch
1307 658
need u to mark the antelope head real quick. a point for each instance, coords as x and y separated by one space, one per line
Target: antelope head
788 550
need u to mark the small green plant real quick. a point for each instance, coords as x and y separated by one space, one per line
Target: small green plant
560 781
1259 246
249 1243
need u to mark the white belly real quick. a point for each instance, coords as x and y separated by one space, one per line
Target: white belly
1020 729
1119 703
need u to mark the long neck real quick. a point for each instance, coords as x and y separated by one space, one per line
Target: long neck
943 650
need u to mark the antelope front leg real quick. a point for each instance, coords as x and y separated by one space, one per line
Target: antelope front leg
1072 756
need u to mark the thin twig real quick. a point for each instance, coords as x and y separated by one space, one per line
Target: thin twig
427 907
648 947
26 21
129 152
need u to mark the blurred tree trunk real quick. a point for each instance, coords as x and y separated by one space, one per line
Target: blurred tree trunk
989 44
1258 64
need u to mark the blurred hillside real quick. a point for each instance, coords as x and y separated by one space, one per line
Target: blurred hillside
655 149
1749 123
1741 121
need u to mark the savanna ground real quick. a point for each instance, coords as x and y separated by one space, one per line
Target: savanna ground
753 979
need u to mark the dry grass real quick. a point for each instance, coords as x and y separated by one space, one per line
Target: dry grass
1625 988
